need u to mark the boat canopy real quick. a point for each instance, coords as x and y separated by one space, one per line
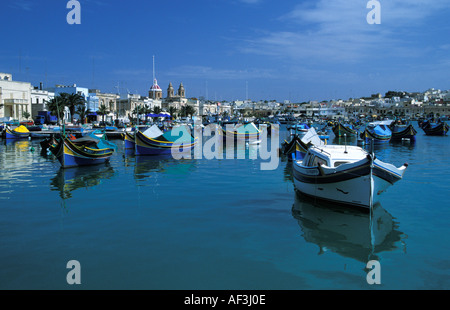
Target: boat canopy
21 129
246 128
312 136
153 132
183 135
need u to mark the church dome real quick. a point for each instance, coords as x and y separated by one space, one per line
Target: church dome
155 86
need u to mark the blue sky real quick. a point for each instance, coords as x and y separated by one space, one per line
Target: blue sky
283 50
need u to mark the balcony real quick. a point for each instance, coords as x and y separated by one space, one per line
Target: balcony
15 101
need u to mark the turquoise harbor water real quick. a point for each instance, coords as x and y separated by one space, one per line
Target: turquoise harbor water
160 223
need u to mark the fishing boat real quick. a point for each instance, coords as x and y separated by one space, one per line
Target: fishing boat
341 129
296 148
302 127
242 132
402 131
130 136
87 150
20 132
439 128
344 174
166 143
378 132
53 140
128 139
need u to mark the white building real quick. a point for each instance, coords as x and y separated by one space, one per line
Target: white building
39 98
15 98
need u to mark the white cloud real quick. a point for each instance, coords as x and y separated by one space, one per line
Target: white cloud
337 31
210 73
250 1
21 4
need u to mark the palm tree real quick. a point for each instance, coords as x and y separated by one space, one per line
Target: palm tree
82 111
136 111
187 110
26 114
156 110
146 110
56 107
103 110
172 111
71 101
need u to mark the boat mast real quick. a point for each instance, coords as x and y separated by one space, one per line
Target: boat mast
345 143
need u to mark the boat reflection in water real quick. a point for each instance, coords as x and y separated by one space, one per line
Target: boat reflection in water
160 166
346 231
68 180
146 165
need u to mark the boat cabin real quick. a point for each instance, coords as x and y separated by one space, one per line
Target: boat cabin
333 155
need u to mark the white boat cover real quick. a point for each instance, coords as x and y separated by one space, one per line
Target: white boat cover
312 136
153 132
384 122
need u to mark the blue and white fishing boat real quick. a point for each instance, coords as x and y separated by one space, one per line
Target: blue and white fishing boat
341 129
439 128
296 148
18 133
344 174
130 136
244 132
402 131
177 139
378 132
302 127
87 150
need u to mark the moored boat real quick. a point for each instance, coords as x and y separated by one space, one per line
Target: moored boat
302 127
341 129
20 132
130 136
166 143
297 147
439 128
245 132
403 131
378 132
87 150
129 139
344 174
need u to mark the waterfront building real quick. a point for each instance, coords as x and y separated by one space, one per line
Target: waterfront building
39 99
224 108
91 99
109 100
127 105
15 98
205 107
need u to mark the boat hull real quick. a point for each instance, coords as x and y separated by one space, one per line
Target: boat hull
359 185
13 135
370 135
70 155
247 137
340 130
148 146
129 140
440 129
404 133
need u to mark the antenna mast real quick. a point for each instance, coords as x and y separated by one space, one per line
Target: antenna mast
153 67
